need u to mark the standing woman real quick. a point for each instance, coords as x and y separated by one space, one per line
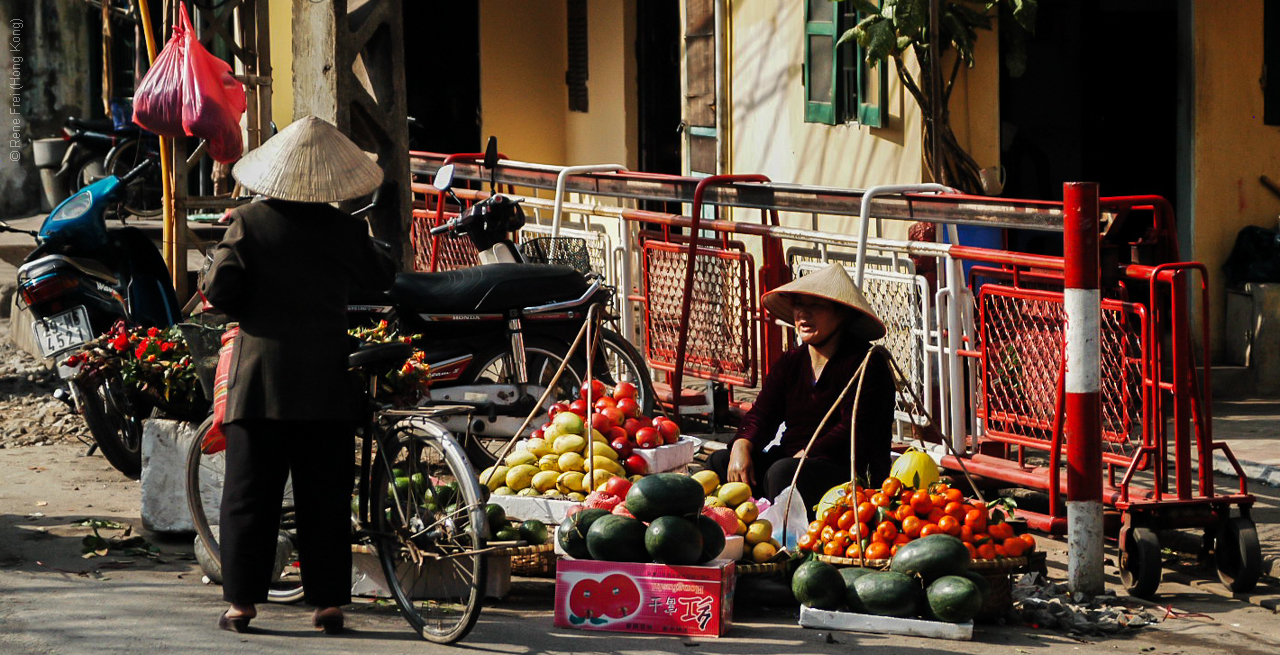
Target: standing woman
283 271
836 326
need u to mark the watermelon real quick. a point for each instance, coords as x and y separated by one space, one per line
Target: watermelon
601 500
664 494
954 599
616 538
819 585
983 584
887 593
673 540
571 534
496 517
533 532
712 538
851 575
931 557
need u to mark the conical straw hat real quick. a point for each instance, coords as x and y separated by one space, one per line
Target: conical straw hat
309 161
831 283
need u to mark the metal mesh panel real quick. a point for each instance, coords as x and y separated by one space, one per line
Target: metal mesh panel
599 248
1022 361
722 337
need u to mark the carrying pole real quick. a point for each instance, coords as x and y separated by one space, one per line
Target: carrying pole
1083 304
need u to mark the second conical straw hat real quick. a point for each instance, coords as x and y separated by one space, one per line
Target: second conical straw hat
834 284
309 161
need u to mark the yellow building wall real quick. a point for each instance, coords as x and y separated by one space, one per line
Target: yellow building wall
768 134
523 100
1231 146
281 22
608 132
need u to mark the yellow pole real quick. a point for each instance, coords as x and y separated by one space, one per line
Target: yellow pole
166 163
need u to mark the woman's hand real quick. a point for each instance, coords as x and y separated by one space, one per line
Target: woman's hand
740 466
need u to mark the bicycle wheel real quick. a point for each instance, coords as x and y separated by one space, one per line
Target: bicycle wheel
205 473
144 196
429 524
114 423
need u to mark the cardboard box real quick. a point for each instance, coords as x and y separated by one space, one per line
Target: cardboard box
679 600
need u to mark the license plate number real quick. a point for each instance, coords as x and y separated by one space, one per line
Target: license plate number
62 331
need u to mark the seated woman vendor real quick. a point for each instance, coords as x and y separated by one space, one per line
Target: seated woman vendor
835 326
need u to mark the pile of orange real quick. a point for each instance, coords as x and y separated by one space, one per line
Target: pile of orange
886 518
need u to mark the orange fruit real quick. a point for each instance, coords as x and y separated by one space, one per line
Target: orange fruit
828 533
887 530
816 526
1000 551
880 500
911 526
949 525
954 509
901 539
953 495
973 552
935 514
829 516
878 550
847 519
854 551
891 486
866 512
976 519
986 551
966 533
1028 541
930 528
805 542
903 512
831 549
1014 546
921 503
1000 531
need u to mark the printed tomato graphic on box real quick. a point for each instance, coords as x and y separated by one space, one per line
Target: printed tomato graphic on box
646 598
599 601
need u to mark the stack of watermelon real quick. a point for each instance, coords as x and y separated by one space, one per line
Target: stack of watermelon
928 577
659 521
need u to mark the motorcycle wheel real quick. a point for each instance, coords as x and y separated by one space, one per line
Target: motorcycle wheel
626 364
116 425
84 172
542 359
143 197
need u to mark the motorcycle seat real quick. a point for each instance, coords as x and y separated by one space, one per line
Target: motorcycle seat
93 124
493 288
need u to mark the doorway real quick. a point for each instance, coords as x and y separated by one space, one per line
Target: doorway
442 75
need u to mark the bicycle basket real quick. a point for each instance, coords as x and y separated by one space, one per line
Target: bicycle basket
562 251
203 341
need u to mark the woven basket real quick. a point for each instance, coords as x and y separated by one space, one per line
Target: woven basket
760 569
845 561
532 561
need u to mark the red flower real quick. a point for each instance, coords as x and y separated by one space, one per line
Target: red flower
151 332
120 342
166 346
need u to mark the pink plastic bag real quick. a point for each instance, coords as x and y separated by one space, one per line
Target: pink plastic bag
157 102
212 99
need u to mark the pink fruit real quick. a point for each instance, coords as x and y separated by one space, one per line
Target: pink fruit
601 500
621 510
726 518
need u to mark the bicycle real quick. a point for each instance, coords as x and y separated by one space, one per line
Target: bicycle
418 507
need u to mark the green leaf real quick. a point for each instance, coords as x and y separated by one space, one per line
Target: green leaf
850 34
867 6
911 17
881 41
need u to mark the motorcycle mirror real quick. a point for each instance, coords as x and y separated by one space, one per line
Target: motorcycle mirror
491 161
444 178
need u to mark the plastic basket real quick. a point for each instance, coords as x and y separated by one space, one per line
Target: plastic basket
561 251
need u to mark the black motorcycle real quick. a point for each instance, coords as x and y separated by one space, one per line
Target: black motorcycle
76 284
495 334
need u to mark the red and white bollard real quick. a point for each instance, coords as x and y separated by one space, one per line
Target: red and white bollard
1083 303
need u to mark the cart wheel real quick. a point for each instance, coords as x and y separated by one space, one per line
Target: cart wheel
1238 555
1140 564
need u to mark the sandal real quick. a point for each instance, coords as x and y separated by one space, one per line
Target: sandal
328 619
239 623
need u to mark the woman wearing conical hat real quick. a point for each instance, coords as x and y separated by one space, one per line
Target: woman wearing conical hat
283 271
835 326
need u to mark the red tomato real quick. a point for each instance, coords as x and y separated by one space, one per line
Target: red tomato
645 421
537 434
635 465
603 402
624 390
631 425
556 409
648 438
616 433
670 430
579 407
595 388
601 422
618 486
621 446
629 406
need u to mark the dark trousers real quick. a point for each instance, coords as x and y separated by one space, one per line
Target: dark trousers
774 473
260 456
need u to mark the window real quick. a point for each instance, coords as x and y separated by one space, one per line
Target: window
576 76
839 86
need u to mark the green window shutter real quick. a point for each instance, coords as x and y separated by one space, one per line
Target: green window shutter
872 83
820 69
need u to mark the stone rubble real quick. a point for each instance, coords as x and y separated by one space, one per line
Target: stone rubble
1047 604
29 414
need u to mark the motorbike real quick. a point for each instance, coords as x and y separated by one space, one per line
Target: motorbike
77 283
98 149
495 334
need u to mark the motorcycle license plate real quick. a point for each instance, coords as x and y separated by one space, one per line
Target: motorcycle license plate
62 331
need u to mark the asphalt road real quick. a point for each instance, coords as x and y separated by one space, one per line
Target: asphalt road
55 601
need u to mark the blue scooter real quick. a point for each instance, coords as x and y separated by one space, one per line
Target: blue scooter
78 281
